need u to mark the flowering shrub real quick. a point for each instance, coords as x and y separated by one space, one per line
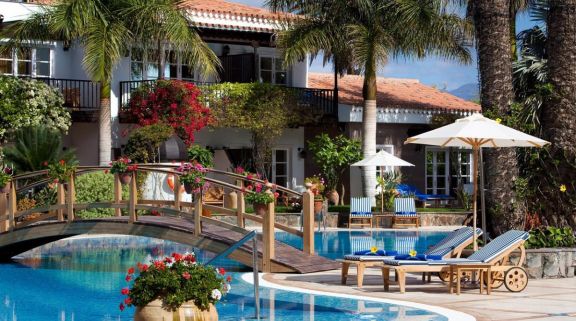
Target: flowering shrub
260 193
317 185
172 102
6 173
60 171
174 280
193 175
122 166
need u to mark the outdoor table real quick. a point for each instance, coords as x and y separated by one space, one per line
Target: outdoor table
483 269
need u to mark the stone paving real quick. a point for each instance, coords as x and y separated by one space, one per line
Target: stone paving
542 300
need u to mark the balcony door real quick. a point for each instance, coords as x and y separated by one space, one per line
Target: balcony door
238 68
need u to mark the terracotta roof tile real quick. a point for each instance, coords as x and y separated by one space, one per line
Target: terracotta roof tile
392 93
225 7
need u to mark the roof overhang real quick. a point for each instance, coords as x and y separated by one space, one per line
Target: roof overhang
396 115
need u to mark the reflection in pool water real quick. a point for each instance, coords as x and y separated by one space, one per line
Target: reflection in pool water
80 280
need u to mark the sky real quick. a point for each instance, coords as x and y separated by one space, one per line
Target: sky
443 74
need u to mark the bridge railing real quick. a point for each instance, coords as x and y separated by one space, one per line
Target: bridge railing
66 205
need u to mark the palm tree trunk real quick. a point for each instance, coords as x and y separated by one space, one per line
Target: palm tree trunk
369 123
492 24
161 60
559 114
513 44
105 126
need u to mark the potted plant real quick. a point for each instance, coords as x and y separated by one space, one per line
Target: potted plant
175 288
61 171
387 184
260 195
122 166
193 176
6 173
316 185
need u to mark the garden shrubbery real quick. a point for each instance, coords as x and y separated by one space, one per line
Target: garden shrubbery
96 187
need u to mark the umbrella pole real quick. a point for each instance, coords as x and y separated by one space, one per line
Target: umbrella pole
476 150
381 192
483 198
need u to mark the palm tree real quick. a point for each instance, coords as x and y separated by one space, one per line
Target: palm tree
105 29
559 112
373 31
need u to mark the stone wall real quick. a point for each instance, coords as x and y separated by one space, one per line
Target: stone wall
549 262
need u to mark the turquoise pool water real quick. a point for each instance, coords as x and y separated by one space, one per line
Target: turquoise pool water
80 280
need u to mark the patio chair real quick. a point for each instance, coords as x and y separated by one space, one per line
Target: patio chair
450 246
408 190
360 209
496 253
405 213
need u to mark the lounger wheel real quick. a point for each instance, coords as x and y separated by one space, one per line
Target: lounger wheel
496 278
516 279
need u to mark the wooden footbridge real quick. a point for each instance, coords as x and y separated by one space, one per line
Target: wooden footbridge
177 221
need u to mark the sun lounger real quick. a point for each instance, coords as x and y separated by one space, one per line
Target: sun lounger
496 253
360 209
405 213
449 247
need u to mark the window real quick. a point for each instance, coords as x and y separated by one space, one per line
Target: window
272 71
445 169
31 62
145 65
280 163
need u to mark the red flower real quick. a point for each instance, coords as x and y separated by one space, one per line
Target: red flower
45 164
221 271
125 291
144 268
121 307
228 279
177 256
128 278
131 270
106 171
276 195
62 162
127 301
186 275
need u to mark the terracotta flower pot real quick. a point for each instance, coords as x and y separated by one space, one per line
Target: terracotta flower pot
188 311
260 209
5 189
318 204
333 197
125 178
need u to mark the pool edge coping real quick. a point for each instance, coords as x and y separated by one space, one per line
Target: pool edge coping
452 315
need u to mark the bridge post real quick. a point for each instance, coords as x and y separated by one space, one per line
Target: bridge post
308 221
198 213
4 222
60 196
117 194
268 240
177 192
133 198
70 199
12 207
240 209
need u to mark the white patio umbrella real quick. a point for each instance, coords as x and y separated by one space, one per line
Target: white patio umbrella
382 159
476 131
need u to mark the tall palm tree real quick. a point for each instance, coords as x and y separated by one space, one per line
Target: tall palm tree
492 25
103 29
373 31
559 112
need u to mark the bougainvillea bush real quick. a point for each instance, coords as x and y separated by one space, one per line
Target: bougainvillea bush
175 279
171 102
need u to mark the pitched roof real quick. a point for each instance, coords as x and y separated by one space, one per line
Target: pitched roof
232 8
392 93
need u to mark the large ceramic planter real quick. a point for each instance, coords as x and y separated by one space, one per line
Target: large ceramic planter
318 204
260 209
125 178
333 197
5 189
188 311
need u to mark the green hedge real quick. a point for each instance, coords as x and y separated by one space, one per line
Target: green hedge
96 187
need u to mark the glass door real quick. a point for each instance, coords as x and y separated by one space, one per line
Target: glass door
437 174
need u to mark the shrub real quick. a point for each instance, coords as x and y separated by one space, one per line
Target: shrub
26 103
143 143
551 237
201 155
96 187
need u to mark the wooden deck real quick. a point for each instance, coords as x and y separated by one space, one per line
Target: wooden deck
215 237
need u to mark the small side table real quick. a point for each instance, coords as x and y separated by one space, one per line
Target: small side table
483 269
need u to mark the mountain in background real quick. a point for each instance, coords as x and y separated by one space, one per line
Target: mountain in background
467 91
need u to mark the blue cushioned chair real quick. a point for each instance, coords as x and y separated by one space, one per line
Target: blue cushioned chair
406 190
360 209
405 213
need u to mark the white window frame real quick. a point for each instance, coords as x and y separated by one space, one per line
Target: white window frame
273 71
434 175
287 163
33 61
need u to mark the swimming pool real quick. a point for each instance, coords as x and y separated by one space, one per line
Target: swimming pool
80 280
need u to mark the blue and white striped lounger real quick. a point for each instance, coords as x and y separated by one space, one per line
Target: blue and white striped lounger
405 210
360 209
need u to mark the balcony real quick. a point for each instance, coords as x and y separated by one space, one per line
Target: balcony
317 101
81 97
